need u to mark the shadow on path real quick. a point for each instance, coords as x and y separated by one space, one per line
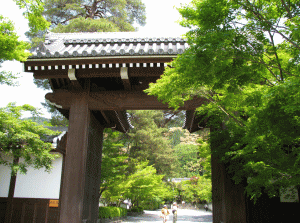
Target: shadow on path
184 216
188 218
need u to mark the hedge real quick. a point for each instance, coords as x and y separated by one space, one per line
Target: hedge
112 212
137 209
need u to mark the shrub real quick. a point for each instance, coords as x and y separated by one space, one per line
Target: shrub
152 204
137 209
112 212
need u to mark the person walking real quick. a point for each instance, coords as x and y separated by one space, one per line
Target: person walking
174 211
205 207
164 213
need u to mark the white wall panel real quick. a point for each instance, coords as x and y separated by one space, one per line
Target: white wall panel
4 180
292 195
40 184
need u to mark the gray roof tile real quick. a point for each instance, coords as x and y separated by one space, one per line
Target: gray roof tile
68 45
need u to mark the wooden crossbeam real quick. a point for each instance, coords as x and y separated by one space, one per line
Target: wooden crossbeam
117 100
100 72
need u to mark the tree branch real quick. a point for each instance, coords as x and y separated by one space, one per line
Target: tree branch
169 119
275 53
225 112
260 62
261 18
287 9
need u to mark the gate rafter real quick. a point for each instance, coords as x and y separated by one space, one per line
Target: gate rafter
110 70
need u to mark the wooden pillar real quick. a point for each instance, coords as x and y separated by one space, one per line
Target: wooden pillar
93 172
81 180
229 204
228 199
218 194
62 179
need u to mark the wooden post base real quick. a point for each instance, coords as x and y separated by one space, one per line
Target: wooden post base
229 204
81 180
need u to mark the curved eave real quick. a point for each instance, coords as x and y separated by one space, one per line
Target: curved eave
194 122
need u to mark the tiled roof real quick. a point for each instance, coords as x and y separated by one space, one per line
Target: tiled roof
53 138
70 45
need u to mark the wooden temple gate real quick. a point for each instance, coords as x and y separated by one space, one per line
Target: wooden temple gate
95 78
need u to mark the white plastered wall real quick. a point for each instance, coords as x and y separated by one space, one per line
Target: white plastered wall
4 180
292 195
40 184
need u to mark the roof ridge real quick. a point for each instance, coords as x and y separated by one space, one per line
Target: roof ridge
91 35
66 45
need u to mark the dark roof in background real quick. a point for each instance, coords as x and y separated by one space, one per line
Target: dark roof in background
74 45
51 138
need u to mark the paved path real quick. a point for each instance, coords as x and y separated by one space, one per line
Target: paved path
184 216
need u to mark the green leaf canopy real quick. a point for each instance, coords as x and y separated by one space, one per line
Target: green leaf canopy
243 60
23 139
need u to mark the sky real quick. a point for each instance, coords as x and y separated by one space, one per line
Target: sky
162 18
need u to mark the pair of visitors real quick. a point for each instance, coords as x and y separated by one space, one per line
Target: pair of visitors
165 212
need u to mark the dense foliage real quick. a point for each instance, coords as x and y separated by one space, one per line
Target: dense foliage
144 184
114 160
22 140
139 187
188 162
196 190
131 166
112 212
124 177
244 60
147 141
10 49
185 149
33 12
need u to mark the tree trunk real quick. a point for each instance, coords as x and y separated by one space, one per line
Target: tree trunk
12 185
93 10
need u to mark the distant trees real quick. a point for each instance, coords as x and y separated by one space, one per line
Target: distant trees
95 15
188 162
196 190
144 185
140 164
141 187
114 165
124 177
68 16
147 141
188 149
173 151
